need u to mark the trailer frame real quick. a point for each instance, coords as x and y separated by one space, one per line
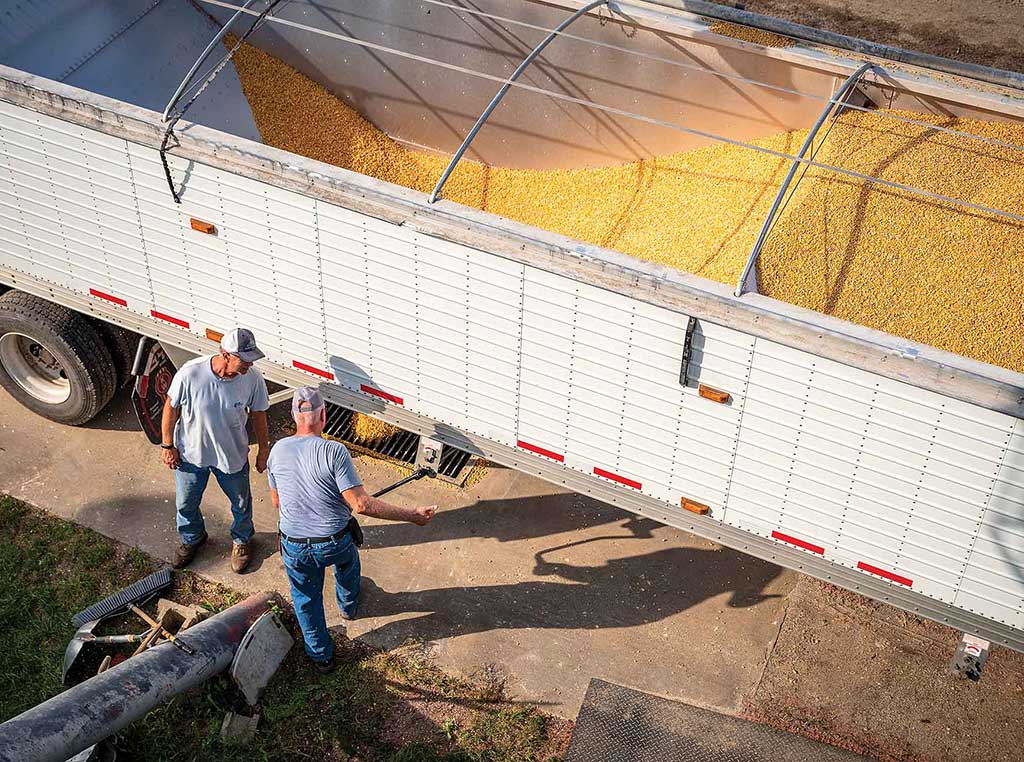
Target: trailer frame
851 345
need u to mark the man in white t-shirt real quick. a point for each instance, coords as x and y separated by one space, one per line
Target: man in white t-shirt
208 404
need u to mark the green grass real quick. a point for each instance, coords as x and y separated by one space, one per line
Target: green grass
50 569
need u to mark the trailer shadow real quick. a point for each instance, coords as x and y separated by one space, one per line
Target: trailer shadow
511 521
118 415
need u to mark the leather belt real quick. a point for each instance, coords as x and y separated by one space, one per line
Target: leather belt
314 540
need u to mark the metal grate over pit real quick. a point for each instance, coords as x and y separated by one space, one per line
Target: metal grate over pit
626 725
401 446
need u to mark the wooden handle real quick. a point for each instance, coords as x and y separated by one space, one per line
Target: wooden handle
153 635
160 629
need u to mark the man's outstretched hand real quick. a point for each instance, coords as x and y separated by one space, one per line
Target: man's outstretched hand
423 514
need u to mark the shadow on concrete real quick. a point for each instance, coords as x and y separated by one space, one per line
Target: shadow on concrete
263 546
118 415
147 522
511 520
611 593
599 592
615 593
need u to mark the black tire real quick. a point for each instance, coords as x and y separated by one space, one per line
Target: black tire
74 342
121 343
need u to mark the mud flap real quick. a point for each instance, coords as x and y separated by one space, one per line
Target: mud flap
153 371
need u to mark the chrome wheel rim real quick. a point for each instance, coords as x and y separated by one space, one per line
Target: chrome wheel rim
33 367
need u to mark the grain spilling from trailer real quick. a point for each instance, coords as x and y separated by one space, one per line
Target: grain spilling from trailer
367 430
749 34
902 263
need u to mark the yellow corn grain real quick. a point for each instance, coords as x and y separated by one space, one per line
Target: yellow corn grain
749 34
908 265
367 430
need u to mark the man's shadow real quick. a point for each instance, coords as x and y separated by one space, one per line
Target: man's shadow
616 593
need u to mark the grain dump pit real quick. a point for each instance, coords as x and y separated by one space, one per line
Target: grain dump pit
394 444
670 142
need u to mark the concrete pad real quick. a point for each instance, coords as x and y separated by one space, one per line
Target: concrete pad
548 587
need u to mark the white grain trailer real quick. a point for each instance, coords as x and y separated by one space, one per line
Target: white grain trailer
883 466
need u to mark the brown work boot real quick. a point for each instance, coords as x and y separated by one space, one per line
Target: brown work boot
185 553
239 557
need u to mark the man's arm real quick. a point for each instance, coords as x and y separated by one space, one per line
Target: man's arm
168 420
259 427
275 499
361 502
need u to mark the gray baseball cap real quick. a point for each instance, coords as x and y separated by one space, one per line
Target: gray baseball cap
241 342
306 400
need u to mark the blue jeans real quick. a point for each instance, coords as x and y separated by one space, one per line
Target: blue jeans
190 484
304 564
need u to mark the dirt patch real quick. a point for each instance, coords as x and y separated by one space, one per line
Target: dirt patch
876 680
985 32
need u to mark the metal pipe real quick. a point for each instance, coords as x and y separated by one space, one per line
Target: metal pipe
205 54
418 474
504 89
834 101
102 705
854 45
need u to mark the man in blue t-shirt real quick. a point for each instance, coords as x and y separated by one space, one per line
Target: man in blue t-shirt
316 489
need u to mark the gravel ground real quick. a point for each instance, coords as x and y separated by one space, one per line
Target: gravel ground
876 680
986 32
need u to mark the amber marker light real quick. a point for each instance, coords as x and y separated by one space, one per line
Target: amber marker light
715 395
203 227
693 506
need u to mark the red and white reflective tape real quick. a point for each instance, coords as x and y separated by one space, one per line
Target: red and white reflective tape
798 542
315 371
169 318
891 576
382 394
617 478
541 451
108 297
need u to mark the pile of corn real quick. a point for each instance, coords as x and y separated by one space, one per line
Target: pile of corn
749 34
908 265
367 430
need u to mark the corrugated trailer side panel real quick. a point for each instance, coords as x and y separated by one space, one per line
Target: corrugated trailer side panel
871 473
882 477
993 581
601 392
68 189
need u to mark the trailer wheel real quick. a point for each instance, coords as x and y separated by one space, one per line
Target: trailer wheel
122 344
53 360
